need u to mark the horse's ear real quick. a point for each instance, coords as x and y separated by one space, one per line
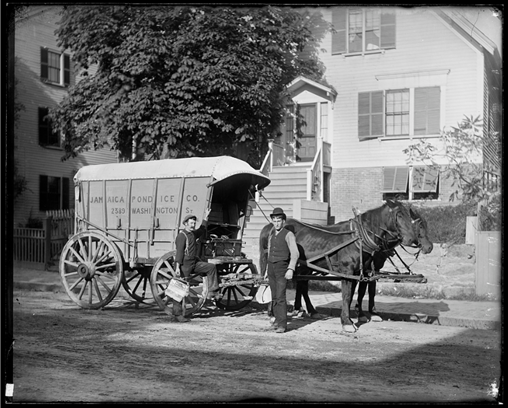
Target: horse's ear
391 203
413 213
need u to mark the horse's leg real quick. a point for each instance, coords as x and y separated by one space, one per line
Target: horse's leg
310 307
300 289
347 324
372 307
359 309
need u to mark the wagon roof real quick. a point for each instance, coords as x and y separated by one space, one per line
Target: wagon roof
220 168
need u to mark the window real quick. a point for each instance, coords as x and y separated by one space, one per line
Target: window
55 67
399 113
358 30
404 183
46 135
54 193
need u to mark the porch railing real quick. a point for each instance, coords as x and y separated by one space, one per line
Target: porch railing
315 177
274 157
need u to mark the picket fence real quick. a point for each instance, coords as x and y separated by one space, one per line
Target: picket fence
40 248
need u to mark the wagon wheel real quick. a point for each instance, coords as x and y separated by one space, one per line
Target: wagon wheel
91 269
136 283
236 297
162 273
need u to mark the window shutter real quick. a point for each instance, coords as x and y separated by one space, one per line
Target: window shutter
43 126
339 38
43 192
387 30
427 110
424 179
377 111
67 70
395 179
65 193
370 115
44 63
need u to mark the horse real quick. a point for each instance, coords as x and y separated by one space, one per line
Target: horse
348 247
379 259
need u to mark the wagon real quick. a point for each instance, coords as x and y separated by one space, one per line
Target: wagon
127 217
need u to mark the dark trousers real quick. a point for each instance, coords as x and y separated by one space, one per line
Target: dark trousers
278 284
201 268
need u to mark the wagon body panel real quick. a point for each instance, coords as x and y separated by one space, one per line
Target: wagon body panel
145 211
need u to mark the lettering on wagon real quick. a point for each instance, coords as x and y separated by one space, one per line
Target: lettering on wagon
158 210
149 199
111 199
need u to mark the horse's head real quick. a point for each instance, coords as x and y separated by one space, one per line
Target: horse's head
402 224
420 226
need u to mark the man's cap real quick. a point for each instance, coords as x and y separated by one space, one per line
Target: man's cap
278 211
188 217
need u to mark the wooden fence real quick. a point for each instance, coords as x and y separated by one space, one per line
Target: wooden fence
40 248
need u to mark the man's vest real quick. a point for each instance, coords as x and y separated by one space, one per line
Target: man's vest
190 249
278 249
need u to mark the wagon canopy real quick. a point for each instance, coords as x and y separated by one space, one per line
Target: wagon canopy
219 168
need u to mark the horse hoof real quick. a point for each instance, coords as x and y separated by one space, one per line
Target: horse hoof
363 319
349 328
376 318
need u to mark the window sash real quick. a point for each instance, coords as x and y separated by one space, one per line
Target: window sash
397 112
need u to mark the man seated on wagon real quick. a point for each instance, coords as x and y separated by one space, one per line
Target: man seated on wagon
187 262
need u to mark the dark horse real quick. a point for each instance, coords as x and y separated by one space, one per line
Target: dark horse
339 250
379 259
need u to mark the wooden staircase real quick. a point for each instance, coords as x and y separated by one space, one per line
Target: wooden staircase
289 183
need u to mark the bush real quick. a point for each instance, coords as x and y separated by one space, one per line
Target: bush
447 224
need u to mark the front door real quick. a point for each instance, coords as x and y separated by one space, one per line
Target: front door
308 132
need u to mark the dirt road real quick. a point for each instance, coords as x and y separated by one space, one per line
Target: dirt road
128 354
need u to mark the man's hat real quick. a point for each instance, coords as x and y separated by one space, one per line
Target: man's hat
278 211
188 217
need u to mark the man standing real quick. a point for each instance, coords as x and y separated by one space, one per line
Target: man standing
282 258
187 262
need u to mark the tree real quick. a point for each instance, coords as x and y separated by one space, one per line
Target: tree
183 80
461 151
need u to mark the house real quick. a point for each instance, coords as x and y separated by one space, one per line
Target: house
393 76
43 73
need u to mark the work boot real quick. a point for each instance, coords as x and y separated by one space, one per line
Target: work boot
181 319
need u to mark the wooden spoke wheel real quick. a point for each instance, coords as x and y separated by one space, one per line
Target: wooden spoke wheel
162 273
136 283
91 269
237 296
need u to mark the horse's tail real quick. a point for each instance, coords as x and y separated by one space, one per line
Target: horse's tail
263 248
